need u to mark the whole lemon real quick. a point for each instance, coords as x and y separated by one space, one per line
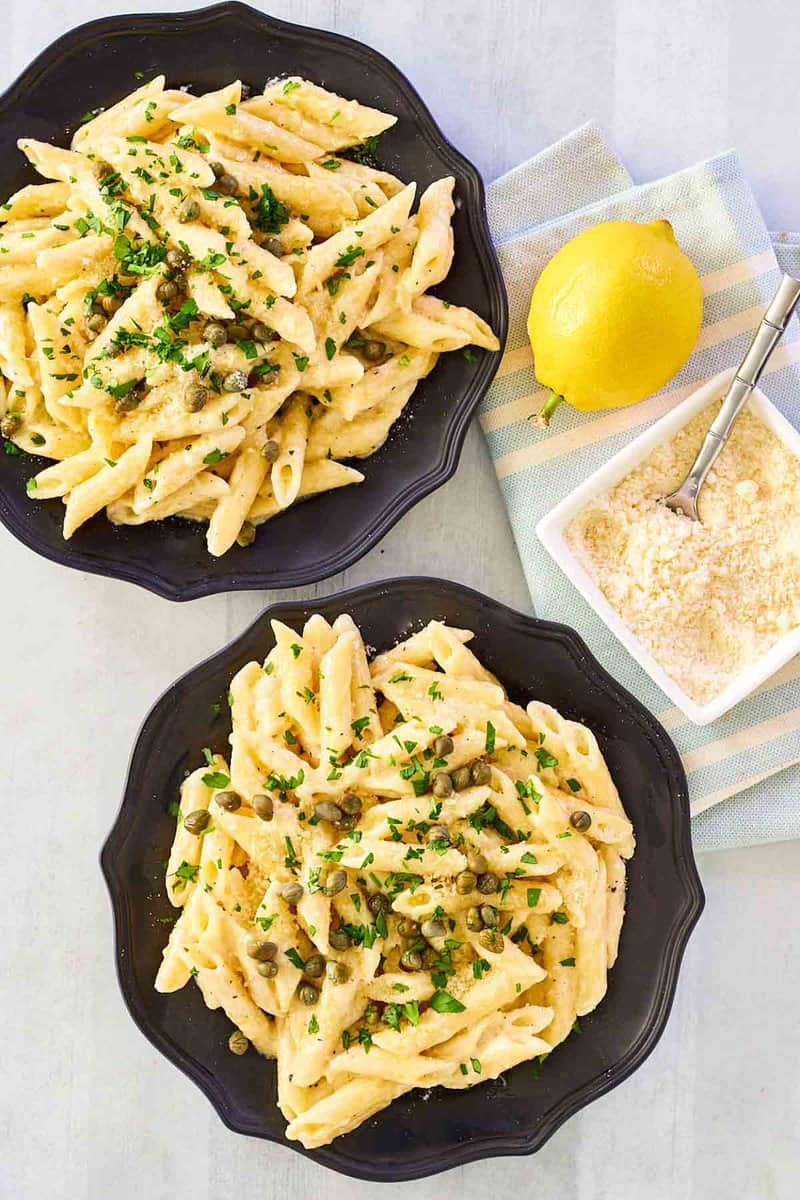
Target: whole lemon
614 315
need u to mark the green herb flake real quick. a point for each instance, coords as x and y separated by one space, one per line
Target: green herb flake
216 780
442 1002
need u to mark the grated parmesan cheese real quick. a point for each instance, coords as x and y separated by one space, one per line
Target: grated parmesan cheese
706 599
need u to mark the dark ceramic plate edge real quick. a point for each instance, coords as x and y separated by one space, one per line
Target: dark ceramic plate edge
440 472
684 918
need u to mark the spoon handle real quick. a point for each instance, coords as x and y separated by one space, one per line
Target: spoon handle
765 339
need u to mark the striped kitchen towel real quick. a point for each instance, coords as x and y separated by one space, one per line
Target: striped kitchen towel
743 778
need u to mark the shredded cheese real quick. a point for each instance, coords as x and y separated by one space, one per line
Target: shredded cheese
707 599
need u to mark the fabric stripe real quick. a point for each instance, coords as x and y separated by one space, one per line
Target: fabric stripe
616 420
756 735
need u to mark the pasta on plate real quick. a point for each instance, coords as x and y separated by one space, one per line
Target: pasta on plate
209 306
398 878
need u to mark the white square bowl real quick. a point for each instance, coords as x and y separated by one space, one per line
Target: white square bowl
550 532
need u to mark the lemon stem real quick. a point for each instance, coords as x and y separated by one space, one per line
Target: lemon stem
547 410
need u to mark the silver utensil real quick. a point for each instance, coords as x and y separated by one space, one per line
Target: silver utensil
766 338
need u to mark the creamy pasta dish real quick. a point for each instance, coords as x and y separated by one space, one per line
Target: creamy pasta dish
397 878
213 301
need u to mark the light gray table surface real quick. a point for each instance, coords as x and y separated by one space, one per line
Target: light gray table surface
88 1109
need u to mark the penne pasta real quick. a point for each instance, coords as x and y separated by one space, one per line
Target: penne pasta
207 305
375 901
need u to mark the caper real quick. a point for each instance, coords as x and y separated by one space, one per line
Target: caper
267 969
438 833
197 821
465 882
490 916
227 185
488 883
235 381
411 960
315 966
337 972
261 332
474 919
238 1043
166 291
481 772
291 892
443 746
339 939
215 334
378 903
263 807
246 535
477 862
260 949
372 1014
461 778
335 883
10 424
128 402
580 820
96 322
176 260
128 281
190 211
350 803
442 785
114 350
237 332
433 928
326 810
407 928
273 246
196 397
218 168
373 351
491 940
110 304
179 279
271 450
348 821
430 957
229 801
308 994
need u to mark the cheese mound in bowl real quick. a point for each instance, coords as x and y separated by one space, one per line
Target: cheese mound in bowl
707 599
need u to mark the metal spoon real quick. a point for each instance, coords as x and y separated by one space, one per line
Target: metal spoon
766 338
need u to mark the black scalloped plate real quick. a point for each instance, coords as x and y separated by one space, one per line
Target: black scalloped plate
95 65
518 1113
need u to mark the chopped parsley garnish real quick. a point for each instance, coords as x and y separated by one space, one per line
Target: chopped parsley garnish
442 1002
268 212
185 873
349 256
545 758
217 780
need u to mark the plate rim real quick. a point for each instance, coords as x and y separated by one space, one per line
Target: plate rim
161 582
684 916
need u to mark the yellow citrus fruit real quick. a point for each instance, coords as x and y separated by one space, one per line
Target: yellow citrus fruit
614 314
